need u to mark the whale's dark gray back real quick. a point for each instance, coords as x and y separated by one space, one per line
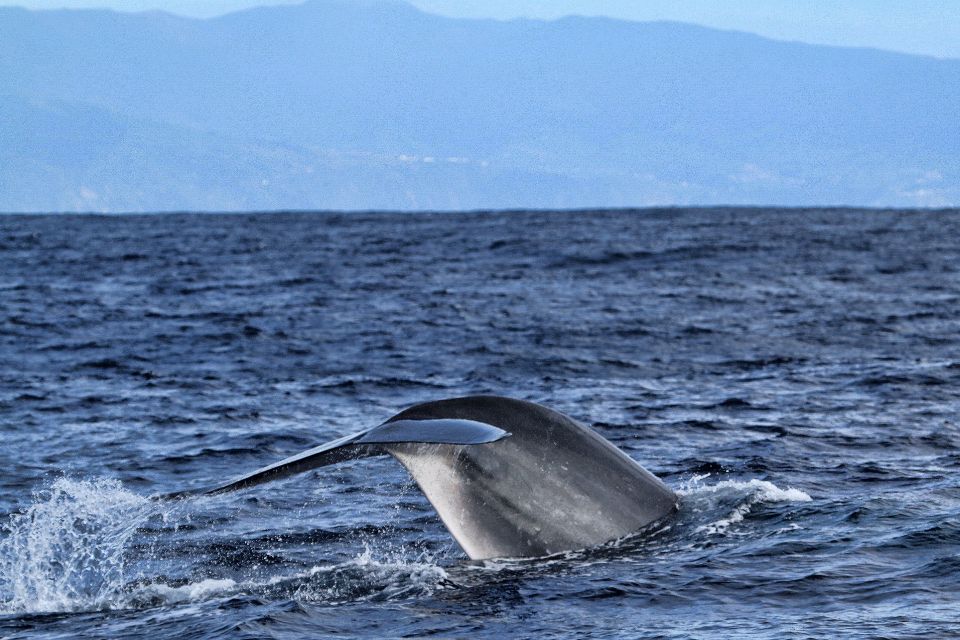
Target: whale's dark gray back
553 485
509 478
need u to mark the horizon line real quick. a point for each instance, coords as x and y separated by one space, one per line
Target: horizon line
502 211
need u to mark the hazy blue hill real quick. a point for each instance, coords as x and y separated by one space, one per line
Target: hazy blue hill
375 104
57 156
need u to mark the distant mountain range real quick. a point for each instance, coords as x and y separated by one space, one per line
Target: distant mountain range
338 104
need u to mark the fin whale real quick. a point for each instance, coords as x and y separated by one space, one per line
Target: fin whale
508 478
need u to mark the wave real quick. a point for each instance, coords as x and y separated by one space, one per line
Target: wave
734 498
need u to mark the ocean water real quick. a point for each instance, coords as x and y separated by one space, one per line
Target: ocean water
793 374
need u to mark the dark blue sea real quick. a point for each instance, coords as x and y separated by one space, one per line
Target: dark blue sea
793 374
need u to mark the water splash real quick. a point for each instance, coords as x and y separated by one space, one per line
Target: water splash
742 496
66 551
72 548
375 576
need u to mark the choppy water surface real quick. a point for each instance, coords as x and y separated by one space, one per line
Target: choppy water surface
792 374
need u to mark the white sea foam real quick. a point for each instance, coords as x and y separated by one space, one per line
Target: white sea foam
767 491
746 495
191 592
370 575
365 577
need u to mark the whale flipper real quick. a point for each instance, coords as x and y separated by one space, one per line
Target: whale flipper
508 478
368 443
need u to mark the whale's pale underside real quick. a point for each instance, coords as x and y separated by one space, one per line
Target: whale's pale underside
508 478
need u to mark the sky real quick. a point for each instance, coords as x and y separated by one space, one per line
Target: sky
926 27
